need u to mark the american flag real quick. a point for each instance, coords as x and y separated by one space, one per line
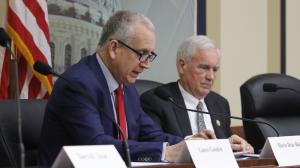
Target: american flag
27 26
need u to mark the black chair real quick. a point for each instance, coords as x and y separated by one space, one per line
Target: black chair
280 108
143 85
32 119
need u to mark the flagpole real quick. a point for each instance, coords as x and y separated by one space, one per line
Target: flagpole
22 149
17 98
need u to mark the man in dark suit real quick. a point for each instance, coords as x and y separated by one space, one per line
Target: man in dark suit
124 51
198 60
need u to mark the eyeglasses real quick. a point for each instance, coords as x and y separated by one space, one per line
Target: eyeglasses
142 56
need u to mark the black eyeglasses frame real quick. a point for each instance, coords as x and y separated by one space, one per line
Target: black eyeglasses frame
142 57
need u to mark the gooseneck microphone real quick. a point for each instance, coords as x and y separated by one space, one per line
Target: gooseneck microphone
5 42
45 69
271 87
166 96
4 38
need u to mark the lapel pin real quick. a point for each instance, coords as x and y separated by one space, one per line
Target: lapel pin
218 122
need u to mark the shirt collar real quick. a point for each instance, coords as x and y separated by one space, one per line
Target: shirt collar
111 81
188 97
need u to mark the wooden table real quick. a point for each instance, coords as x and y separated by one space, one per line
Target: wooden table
250 163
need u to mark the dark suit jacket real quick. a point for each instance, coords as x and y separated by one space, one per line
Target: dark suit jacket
71 119
175 120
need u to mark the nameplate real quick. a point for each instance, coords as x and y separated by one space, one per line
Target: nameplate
285 150
208 153
91 156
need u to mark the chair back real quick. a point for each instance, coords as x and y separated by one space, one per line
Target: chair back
32 115
280 108
143 85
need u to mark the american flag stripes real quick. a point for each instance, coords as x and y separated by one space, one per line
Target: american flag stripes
27 26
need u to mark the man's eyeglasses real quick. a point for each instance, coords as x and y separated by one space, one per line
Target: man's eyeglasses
142 56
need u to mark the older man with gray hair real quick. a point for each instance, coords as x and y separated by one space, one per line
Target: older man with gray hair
198 60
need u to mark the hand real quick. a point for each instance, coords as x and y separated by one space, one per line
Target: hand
204 134
173 151
240 145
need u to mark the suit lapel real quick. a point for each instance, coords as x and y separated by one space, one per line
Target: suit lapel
182 117
93 64
216 120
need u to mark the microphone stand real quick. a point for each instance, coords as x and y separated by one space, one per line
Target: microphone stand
272 87
283 88
228 116
18 102
7 149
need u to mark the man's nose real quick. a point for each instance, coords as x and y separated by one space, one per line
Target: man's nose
211 74
145 64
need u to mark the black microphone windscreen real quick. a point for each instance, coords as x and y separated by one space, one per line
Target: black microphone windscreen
162 93
4 38
42 68
270 87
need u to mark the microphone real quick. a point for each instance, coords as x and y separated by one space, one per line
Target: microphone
4 38
167 96
271 87
45 69
5 42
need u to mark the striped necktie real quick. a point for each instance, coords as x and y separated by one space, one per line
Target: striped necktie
200 119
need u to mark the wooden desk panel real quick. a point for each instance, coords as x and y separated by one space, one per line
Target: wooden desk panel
251 163
257 162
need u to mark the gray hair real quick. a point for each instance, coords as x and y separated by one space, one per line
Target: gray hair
189 46
120 26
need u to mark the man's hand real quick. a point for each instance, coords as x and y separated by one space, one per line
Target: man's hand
240 145
204 134
173 151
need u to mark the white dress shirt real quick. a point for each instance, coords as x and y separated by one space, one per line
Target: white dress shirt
191 103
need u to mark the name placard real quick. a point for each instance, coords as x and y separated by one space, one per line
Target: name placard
285 150
204 153
92 156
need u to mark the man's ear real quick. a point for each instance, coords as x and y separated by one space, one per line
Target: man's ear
112 48
181 63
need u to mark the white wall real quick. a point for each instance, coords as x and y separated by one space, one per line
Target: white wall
2 21
292 38
2 12
243 42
